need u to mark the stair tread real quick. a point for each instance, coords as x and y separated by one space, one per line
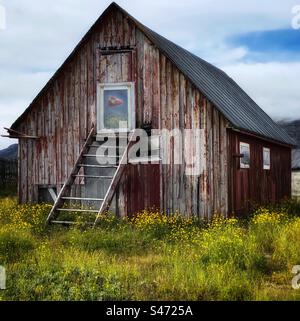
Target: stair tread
76 210
89 151
107 156
94 146
69 223
94 176
82 198
98 166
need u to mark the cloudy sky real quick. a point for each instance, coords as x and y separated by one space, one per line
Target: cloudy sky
252 40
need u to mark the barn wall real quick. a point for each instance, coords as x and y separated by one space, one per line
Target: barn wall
296 183
182 106
253 186
64 114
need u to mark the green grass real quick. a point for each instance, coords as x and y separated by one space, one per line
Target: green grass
153 257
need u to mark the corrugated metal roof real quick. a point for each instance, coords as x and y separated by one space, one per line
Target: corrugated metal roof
221 90
216 85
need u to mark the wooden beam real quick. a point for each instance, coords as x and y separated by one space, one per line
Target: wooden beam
17 135
20 137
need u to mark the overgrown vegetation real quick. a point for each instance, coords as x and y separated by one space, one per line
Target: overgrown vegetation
151 257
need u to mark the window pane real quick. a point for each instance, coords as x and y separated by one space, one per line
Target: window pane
115 108
245 151
267 158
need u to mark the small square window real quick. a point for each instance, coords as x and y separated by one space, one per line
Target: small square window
116 107
245 155
267 158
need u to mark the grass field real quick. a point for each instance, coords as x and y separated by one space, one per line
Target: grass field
152 257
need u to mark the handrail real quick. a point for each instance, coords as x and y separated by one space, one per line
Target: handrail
72 175
117 176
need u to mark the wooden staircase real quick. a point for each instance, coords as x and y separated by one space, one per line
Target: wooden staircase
100 183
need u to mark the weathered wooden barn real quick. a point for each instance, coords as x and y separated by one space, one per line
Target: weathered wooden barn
245 156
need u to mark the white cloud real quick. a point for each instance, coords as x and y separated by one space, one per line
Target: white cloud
8 112
17 90
274 86
41 34
22 85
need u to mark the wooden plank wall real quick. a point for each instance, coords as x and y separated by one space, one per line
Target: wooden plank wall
63 115
253 186
185 107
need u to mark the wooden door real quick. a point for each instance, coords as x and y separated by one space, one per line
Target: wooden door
239 180
116 91
140 185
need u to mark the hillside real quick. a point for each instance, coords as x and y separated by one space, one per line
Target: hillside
10 152
293 129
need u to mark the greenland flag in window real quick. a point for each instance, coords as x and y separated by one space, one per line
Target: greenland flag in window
116 107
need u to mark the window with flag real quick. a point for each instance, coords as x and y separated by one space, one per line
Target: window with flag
116 107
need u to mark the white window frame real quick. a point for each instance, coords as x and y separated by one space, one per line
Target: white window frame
243 165
129 86
267 166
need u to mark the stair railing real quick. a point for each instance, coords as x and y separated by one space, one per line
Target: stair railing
71 177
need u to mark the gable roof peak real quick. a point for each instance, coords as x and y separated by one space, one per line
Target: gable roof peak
225 94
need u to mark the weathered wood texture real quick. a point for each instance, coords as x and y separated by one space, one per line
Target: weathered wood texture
256 186
63 115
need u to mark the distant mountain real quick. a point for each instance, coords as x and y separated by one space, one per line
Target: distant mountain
10 152
293 129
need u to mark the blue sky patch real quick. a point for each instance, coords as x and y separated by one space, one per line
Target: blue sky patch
281 45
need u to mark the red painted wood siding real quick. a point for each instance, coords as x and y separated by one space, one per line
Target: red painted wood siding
253 186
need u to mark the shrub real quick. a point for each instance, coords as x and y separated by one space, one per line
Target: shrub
20 217
161 226
152 256
287 249
225 241
14 244
265 226
119 240
58 283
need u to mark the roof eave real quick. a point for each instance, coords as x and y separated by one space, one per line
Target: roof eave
145 31
271 140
